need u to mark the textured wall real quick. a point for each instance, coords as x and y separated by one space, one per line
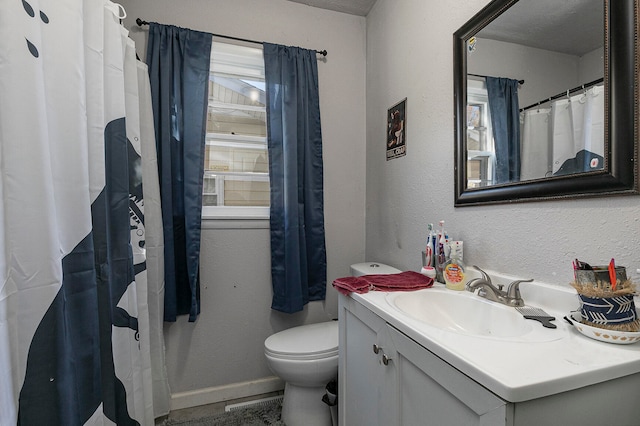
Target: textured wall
410 54
225 345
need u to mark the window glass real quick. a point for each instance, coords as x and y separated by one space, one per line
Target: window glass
480 146
236 179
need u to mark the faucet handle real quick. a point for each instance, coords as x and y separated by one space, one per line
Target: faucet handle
485 276
513 291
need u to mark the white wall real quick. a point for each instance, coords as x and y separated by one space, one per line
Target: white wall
410 54
591 65
225 345
545 73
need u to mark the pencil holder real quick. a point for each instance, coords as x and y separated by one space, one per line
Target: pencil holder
604 305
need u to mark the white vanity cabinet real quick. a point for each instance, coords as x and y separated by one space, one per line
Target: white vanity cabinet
403 383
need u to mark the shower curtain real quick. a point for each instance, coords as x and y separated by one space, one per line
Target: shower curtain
536 147
568 137
74 315
578 125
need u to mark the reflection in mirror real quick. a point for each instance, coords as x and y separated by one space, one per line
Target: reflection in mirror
536 86
552 125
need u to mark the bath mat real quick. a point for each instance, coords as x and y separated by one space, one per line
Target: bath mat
266 414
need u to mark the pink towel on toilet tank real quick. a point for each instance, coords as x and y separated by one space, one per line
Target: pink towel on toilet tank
404 281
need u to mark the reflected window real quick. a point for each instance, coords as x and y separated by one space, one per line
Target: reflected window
480 146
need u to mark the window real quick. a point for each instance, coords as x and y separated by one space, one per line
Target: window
480 147
236 167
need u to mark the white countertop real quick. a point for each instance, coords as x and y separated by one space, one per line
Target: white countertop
520 371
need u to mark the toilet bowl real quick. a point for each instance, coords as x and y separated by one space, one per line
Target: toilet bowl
306 358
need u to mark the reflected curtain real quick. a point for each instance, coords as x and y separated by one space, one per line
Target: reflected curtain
74 337
298 253
178 61
505 121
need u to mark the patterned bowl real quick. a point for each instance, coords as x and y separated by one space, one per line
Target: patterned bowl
609 336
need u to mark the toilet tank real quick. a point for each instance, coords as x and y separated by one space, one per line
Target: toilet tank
368 268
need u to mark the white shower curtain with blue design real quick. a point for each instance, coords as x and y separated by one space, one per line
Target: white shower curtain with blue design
565 137
76 151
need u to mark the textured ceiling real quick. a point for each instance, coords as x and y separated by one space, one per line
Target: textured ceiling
353 7
545 24
569 26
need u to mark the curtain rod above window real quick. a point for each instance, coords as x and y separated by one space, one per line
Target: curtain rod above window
140 23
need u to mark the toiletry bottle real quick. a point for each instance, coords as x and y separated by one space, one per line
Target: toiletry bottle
454 270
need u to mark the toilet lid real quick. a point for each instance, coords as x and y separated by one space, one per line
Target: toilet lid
310 341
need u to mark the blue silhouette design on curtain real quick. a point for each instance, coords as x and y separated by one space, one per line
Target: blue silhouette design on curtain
298 253
505 120
67 376
178 61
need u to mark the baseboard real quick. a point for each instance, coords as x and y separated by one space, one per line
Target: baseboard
254 403
225 393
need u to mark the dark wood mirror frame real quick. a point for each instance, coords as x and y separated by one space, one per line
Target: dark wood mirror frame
620 174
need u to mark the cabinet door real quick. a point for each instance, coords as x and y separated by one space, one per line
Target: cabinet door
361 386
432 392
403 383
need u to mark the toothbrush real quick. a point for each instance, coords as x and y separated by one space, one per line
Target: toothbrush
441 244
429 248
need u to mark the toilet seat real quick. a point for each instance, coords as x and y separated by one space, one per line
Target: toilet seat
305 342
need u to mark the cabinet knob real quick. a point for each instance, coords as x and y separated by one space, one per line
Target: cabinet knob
376 348
385 359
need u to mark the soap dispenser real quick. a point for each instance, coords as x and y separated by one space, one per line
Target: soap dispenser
454 270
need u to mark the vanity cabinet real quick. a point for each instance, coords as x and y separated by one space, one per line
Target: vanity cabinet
388 379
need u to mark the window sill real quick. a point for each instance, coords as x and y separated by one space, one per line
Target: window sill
228 212
235 217
234 223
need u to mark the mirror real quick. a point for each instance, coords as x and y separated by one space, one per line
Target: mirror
584 81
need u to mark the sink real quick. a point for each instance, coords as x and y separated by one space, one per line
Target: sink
466 313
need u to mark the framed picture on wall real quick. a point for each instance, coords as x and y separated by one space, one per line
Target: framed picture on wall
396 130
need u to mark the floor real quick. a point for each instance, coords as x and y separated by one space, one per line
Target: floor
209 409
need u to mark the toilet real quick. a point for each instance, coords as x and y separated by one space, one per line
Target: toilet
306 359
370 268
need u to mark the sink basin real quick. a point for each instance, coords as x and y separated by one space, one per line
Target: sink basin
462 312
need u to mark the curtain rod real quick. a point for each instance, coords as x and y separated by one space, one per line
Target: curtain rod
484 76
140 23
559 95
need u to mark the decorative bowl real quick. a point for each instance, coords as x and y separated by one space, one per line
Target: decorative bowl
603 335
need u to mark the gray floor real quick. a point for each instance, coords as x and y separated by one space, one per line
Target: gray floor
209 409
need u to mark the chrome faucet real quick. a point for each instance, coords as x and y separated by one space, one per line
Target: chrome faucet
486 289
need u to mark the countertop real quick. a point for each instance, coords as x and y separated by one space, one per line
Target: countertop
517 371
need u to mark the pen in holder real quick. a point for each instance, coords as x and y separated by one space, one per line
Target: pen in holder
606 304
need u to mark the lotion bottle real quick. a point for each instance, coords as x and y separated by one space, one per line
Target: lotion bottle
454 270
